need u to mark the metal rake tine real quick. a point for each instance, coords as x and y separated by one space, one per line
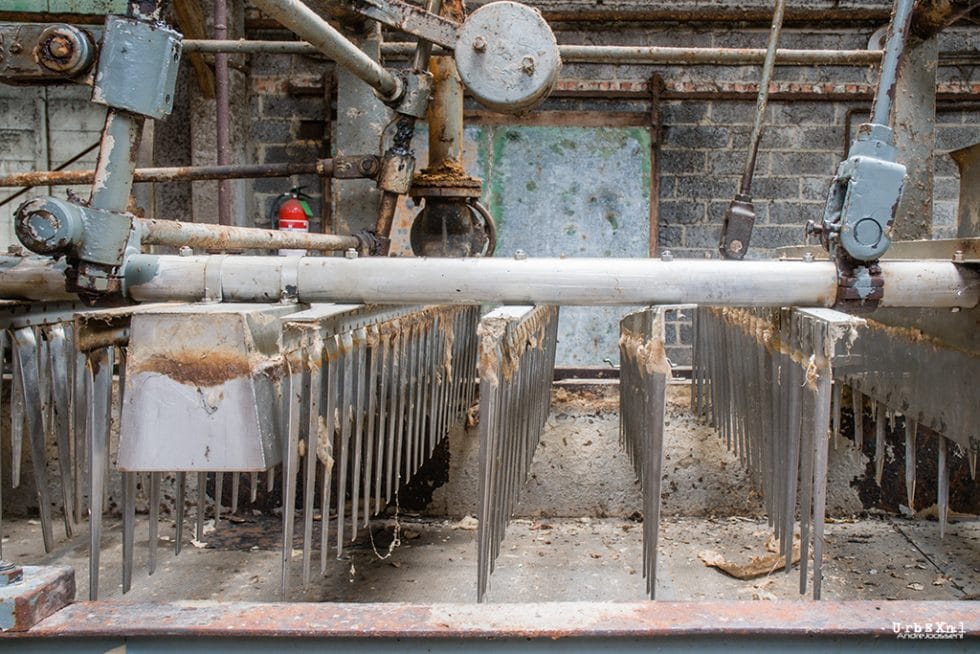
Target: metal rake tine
219 487
154 521
383 404
880 426
58 364
313 358
16 416
290 471
235 488
857 404
181 500
942 485
331 361
80 431
346 404
394 411
99 380
129 528
25 342
792 461
202 494
360 392
253 488
911 430
820 457
370 437
270 479
835 412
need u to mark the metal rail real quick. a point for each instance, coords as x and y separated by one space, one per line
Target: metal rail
572 281
584 54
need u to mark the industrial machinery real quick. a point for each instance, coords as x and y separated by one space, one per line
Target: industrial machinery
328 381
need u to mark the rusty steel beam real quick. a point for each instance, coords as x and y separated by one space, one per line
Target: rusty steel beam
668 620
323 167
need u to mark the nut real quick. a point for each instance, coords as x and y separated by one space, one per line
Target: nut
520 255
527 65
350 253
666 255
480 44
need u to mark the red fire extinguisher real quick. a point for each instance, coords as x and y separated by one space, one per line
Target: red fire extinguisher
291 213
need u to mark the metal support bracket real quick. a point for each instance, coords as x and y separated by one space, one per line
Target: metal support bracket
44 54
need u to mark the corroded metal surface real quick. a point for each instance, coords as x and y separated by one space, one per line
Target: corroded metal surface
553 620
517 362
42 591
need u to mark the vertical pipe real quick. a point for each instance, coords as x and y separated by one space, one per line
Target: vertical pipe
888 76
117 161
222 110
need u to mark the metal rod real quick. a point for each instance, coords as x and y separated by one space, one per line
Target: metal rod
763 99
323 167
584 54
296 16
205 236
222 110
113 179
894 47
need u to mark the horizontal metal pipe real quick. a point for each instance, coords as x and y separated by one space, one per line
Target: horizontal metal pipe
323 167
207 236
572 281
588 54
308 25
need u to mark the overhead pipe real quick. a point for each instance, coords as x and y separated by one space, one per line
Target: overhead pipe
584 54
307 24
220 237
570 281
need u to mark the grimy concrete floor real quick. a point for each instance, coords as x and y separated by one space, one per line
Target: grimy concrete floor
585 549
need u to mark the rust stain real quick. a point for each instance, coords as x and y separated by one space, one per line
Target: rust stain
196 367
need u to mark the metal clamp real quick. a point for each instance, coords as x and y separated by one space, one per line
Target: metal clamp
212 278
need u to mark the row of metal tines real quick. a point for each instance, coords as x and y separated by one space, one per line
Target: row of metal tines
369 395
516 366
775 383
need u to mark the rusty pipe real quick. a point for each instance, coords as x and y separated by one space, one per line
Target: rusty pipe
586 54
323 168
217 237
222 110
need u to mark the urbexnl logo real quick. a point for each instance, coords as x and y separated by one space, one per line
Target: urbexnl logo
928 631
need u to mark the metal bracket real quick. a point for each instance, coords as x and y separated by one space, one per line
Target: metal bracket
358 166
409 19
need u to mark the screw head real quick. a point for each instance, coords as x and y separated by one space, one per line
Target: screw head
60 46
808 257
958 256
185 251
666 255
350 253
480 44
735 246
520 255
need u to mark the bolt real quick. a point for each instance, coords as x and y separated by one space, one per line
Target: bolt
350 253
15 48
15 250
480 44
60 46
185 251
520 255
666 255
527 65
735 246
808 257
958 256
